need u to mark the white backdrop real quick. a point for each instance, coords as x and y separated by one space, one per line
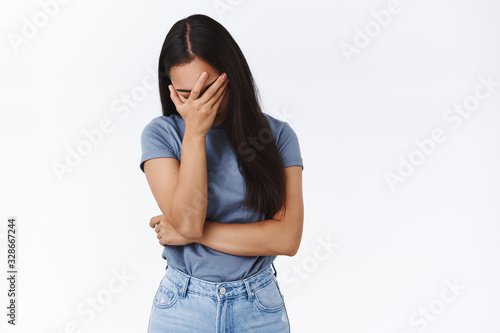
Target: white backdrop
396 106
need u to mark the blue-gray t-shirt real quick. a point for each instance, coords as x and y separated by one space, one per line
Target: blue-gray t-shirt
162 137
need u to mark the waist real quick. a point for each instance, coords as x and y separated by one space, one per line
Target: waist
211 265
220 290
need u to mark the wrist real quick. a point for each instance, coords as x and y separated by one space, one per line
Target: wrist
194 135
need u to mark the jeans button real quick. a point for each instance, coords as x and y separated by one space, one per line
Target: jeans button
222 290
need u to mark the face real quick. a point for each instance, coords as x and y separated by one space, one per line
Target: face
185 76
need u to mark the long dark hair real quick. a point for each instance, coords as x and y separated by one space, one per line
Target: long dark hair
261 164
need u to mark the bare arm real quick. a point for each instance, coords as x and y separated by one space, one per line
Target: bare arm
188 204
278 236
180 189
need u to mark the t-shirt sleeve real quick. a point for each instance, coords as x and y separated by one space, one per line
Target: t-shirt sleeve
157 141
289 148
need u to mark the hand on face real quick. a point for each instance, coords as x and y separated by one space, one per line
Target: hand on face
199 112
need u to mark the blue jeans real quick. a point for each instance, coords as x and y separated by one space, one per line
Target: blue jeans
184 303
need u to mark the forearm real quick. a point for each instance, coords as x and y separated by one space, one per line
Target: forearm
189 198
262 238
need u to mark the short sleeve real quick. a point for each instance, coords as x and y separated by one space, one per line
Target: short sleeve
289 148
157 140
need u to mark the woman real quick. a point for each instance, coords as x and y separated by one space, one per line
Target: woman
234 203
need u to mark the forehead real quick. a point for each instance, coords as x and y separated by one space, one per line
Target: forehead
185 76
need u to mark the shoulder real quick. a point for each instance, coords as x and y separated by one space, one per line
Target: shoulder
286 141
163 125
280 128
163 122
274 122
163 131
161 138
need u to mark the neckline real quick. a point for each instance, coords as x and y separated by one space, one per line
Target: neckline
220 126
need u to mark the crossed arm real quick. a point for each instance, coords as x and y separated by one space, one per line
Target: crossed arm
280 235
174 183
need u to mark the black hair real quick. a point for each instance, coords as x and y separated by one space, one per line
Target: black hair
199 36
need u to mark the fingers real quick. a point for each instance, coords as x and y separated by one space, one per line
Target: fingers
215 101
154 221
195 92
207 95
174 96
215 105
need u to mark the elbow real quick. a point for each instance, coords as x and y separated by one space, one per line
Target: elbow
191 230
291 236
292 250
293 244
192 235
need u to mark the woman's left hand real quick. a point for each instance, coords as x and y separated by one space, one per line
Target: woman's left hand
166 233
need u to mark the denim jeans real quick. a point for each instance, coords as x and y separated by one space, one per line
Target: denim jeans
184 303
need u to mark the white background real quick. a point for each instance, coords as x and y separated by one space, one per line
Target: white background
392 249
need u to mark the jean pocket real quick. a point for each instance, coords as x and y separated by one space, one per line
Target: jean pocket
166 295
269 298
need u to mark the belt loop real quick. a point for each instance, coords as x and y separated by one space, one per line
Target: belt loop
183 290
275 272
249 290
